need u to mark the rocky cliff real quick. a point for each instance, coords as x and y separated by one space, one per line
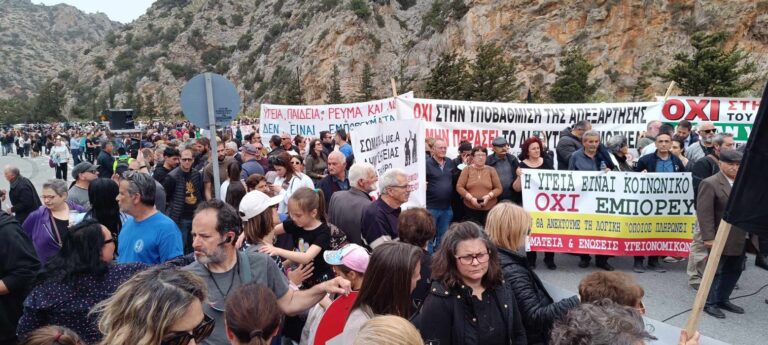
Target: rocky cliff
263 46
40 41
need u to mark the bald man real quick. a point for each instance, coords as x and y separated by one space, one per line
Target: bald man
337 179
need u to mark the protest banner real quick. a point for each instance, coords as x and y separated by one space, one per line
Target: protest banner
729 115
309 120
614 213
481 122
398 144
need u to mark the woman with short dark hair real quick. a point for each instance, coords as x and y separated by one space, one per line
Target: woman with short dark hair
317 161
417 227
479 186
252 315
468 303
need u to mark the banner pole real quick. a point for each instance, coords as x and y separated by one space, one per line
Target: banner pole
672 85
706 280
394 87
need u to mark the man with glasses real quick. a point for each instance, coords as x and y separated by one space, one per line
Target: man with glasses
440 188
83 173
148 236
336 179
223 268
704 146
327 139
251 165
346 207
184 190
380 217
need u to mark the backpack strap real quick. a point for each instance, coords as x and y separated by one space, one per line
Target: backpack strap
245 268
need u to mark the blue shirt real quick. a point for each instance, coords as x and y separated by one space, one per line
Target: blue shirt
665 165
346 149
154 240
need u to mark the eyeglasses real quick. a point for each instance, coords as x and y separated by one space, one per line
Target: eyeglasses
403 186
469 259
713 130
201 331
187 159
296 163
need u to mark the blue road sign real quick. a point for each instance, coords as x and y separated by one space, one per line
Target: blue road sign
226 101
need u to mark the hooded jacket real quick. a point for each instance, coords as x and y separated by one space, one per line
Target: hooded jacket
536 306
17 271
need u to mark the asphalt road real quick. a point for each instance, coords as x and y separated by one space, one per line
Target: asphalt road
666 294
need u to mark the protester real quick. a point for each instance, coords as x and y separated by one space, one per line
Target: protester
709 164
416 227
18 267
587 159
710 207
685 133
480 187
532 158
379 223
346 207
171 157
160 195
569 142
60 158
233 189
389 330
298 163
85 260
184 191
223 268
172 300
341 139
286 144
250 154
468 303
391 276
619 152
678 149
102 194
257 182
22 194
252 315
507 227
83 173
704 146
440 188
316 161
463 160
336 180
309 231
649 137
602 322
506 166
56 335
49 223
288 180
224 163
327 138
149 236
259 219
105 161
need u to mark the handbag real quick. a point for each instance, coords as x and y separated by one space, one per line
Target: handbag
51 163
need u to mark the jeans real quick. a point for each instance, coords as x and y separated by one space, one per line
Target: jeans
185 225
728 273
442 219
76 156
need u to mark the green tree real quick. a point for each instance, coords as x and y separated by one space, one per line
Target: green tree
360 8
572 83
712 70
642 84
292 94
334 90
366 92
492 76
49 102
449 78
148 105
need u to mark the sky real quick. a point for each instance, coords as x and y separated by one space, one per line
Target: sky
123 11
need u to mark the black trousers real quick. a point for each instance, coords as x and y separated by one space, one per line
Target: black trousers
61 171
728 274
599 259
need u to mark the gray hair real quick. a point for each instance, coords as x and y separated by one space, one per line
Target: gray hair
57 186
142 184
359 171
590 134
650 124
339 155
719 138
601 322
583 124
389 179
615 143
13 170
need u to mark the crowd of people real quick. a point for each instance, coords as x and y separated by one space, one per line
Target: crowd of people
138 249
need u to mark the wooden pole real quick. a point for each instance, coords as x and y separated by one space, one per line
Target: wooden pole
671 87
394 87
709 274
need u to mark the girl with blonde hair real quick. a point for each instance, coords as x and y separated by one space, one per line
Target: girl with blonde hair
388 330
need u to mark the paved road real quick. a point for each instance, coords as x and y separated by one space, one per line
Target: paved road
666 294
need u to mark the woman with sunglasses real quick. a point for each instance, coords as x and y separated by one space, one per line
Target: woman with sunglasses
78 277
159 306
288 180
253 316
468 302
317 161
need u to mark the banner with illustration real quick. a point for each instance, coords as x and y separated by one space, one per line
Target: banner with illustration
729 115
309 120
397 144
481 122
614 213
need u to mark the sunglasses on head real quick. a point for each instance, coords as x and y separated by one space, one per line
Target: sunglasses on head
199 333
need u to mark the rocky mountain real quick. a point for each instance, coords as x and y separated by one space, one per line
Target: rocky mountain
37 42
265 46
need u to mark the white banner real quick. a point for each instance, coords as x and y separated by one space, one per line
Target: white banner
309 120
398 144
481 122
729 115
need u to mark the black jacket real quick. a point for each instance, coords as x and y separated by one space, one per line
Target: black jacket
105 161
537 308
447 315
24 198
18 267
567 144
648 163
176 192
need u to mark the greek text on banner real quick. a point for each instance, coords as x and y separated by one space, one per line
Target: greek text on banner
614 213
